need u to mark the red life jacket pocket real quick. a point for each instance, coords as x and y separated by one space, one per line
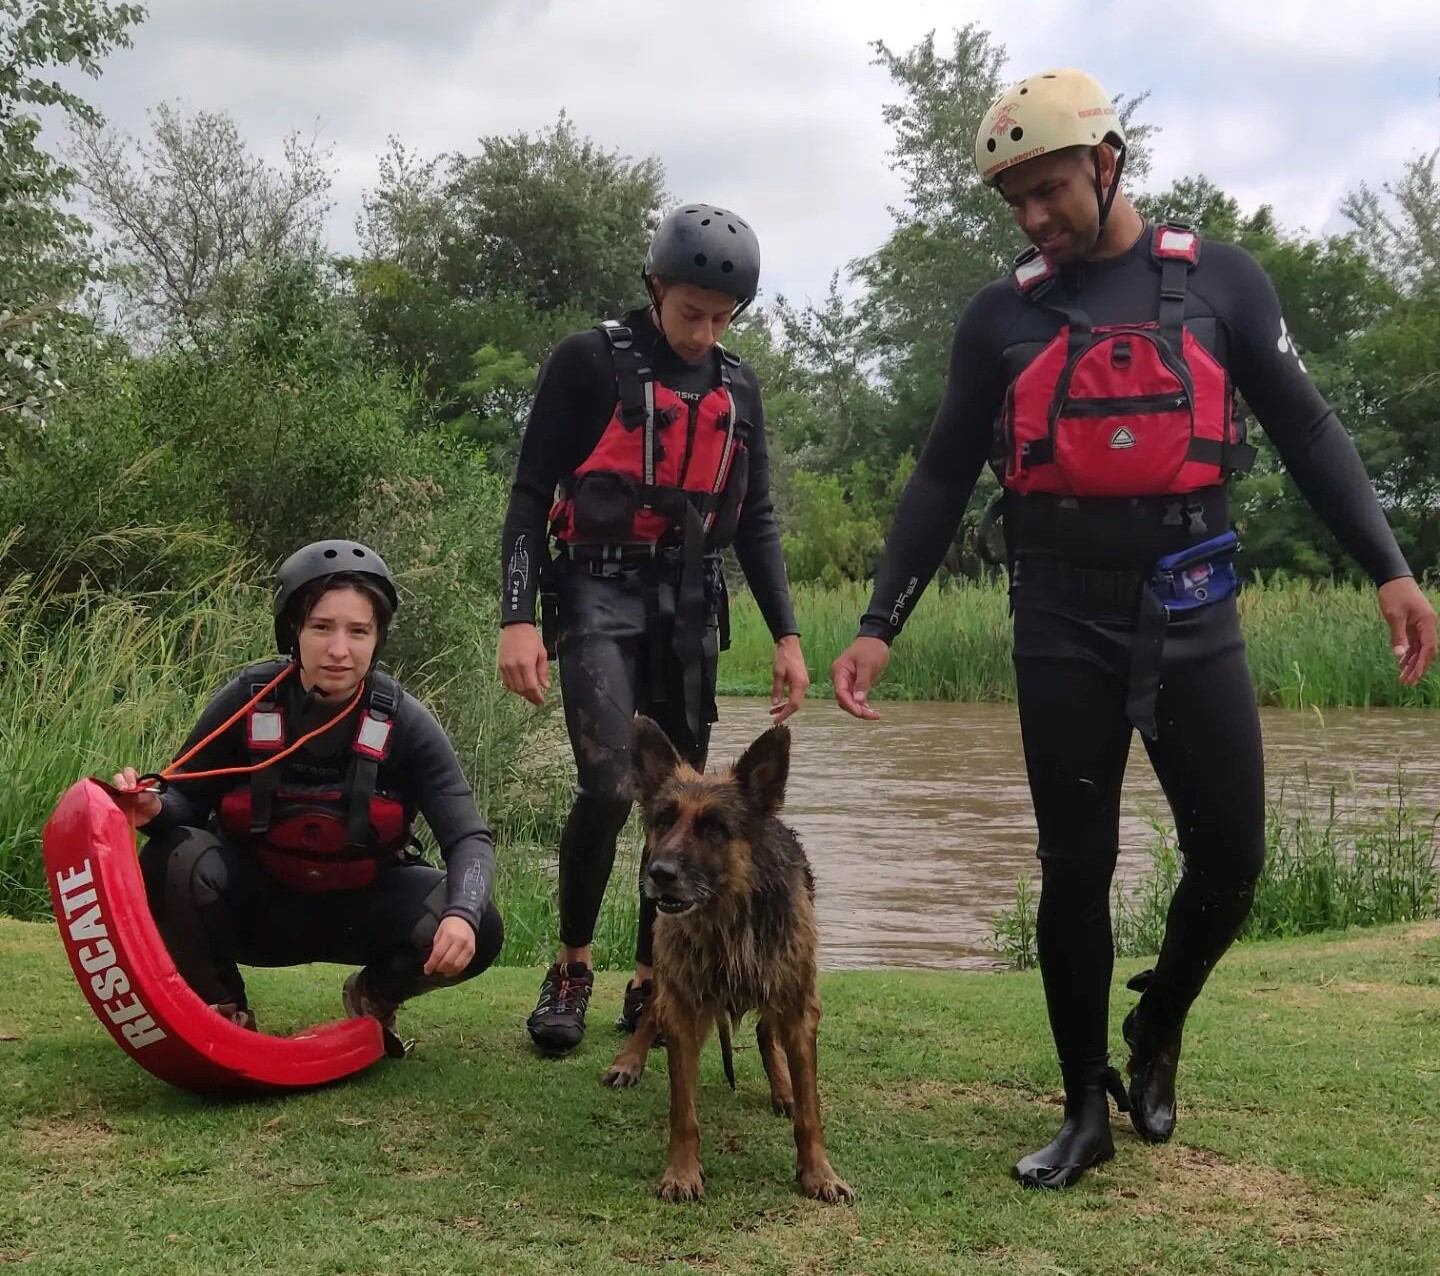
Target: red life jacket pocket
603 506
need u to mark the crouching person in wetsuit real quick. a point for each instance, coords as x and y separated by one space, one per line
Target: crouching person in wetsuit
643 458
307 859
1097 378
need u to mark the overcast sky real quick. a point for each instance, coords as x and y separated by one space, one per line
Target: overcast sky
772 106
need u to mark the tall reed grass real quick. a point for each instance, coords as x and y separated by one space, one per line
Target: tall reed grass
1310 644
1329 865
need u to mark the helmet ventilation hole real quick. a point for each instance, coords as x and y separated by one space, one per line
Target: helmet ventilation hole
700 259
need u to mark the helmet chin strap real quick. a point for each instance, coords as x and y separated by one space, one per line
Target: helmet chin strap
1103 199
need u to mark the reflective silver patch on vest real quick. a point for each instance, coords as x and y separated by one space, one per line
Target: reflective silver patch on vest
266 728
374 734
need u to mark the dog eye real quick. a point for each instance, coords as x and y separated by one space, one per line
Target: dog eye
710 826
663 818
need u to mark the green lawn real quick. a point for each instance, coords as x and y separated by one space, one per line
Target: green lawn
1309 1137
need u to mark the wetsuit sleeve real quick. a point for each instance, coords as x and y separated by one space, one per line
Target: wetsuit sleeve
1316 449
936 493
757 535
189 803
572 398
438 788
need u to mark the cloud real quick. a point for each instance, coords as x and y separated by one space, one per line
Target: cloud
775 108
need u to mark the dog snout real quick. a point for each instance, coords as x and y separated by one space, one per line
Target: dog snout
663 873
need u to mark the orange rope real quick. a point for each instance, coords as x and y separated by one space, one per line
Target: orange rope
173 772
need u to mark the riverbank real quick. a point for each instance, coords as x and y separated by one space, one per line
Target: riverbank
1305 1141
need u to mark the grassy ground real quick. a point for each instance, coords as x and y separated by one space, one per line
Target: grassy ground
1309 644
1306 1141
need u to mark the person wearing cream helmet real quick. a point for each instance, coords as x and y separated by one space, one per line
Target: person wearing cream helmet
1098 378
1046 114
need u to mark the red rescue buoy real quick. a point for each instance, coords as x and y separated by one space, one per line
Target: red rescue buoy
127 976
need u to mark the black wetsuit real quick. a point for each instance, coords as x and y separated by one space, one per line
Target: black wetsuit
1077 569
612 661
216 906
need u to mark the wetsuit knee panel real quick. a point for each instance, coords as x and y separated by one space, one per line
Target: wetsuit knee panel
195 874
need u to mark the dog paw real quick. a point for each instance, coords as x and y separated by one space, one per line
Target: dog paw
686 1184
823 1184
782 1106
621 1076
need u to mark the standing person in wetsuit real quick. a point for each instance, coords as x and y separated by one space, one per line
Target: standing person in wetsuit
308 859
643 458
1098 380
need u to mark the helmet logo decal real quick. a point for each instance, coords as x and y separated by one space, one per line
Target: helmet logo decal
1004 122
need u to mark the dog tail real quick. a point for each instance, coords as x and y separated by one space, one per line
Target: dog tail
727 1057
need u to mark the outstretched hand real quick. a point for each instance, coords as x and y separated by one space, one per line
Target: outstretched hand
524 668
1412 627
791 679
858 668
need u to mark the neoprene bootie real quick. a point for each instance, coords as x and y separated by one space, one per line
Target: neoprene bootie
1154 1058
1084 1138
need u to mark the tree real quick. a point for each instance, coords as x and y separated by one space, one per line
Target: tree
1404 243
194 216
45 260
836 413
475 265
552 217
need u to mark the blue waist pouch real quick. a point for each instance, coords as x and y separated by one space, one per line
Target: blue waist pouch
1198 575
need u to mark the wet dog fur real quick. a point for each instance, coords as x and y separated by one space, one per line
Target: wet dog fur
735 932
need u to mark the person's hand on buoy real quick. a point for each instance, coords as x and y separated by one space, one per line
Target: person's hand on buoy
146 804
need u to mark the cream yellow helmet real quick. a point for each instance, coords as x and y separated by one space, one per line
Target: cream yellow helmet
1042 114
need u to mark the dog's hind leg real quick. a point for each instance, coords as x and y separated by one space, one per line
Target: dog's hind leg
817 1178
777 1071
683 1179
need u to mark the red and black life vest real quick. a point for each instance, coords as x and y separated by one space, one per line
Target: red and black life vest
657 456
320 838
1127 410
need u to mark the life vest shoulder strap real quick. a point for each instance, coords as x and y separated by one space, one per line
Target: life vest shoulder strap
372 745
264 737
632 374
1176 247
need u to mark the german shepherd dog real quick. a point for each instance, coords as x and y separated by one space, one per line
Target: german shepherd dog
735 932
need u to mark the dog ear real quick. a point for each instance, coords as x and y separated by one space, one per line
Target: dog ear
652 757
763 769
